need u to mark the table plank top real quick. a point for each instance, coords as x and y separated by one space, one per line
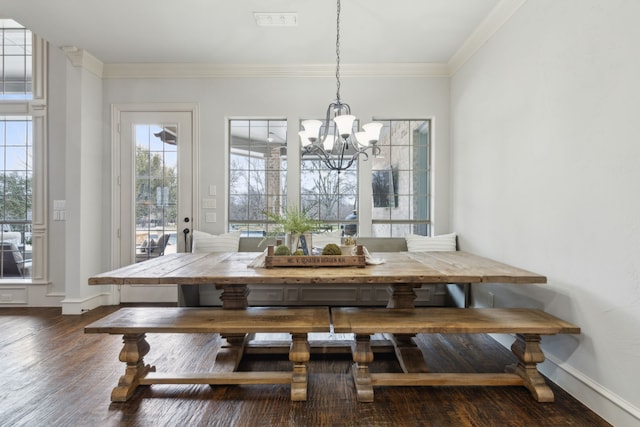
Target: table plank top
399 267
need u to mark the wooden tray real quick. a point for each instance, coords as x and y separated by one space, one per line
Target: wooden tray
358 260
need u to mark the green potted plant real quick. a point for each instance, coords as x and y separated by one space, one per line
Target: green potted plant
293 223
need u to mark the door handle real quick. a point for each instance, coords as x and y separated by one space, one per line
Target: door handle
186 232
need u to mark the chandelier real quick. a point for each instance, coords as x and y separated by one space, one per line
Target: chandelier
333 140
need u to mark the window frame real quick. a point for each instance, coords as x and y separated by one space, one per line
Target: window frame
363 193
412 222
36 108
273 200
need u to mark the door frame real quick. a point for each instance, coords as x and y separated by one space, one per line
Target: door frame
116 151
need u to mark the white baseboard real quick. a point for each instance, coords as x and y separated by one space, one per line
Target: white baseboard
80 305
613 408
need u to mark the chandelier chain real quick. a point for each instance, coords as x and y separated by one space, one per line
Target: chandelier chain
338 53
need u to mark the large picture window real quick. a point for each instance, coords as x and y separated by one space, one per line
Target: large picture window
400 179
257 173
327 195
16 151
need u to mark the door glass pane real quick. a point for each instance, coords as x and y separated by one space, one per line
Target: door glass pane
156 190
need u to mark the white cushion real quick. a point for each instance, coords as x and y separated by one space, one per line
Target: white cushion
205 242
441 243
320 240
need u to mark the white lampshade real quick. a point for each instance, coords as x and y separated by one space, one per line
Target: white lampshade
312 127
362 138
328 142
304 138
373 131
344 124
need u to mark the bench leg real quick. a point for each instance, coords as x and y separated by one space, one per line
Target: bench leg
527 349
362 357
132 353
299 354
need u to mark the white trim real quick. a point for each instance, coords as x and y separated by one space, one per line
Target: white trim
116 114
613 408
202 71
594 395
80 305
500 14
83 59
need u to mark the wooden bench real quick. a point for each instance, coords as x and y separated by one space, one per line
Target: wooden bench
135 323
527 324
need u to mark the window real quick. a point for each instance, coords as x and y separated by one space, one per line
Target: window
15 69
400 179
257 173
15 192
22 150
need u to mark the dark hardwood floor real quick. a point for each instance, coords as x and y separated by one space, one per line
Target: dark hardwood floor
55 375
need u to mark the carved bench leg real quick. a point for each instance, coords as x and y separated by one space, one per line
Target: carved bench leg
299 354
362 356
527 349
132 353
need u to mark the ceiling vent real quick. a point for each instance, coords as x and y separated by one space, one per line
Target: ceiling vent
276 19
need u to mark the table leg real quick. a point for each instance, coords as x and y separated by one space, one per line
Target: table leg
527 349
409 356
299 354
401 295
132 353
362 357
234 296
411 359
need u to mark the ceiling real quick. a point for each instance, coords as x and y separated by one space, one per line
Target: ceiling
225 32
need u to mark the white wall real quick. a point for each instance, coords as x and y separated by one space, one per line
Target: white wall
291 98
546 176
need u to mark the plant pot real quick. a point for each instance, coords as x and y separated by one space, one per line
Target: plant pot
347 249
294 242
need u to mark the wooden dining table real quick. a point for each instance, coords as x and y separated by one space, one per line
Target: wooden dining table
402 271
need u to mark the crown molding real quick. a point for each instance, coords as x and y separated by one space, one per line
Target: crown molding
82 59
204 71
500 14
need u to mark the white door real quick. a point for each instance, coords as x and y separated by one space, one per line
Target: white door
155 193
